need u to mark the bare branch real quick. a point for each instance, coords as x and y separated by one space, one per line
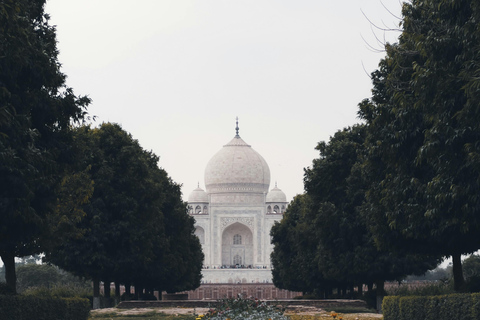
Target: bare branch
381 42
371 48
366 72
383 5
377 27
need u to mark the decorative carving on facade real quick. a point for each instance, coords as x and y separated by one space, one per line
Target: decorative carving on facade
225 222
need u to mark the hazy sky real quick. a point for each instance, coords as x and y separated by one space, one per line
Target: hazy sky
175 74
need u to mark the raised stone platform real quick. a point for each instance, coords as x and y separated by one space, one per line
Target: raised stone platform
262 291
207 304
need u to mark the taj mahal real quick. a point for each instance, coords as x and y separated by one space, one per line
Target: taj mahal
234 215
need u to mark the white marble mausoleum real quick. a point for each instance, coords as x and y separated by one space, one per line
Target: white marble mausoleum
234 215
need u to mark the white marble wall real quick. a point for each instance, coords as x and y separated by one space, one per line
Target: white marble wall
242 215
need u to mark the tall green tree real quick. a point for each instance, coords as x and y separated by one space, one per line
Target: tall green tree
423 133
136 227
329 230
37 110
337 186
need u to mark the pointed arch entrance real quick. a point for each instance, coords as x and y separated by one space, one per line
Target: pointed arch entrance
237 246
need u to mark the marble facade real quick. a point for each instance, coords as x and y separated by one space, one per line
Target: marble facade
234 215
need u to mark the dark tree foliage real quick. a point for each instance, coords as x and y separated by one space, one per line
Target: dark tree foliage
324 232
136 229
423 134
36 114
293 258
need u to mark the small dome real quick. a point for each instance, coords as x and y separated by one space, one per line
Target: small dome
276 195
198 195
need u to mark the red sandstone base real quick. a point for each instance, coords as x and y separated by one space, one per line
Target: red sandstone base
262 291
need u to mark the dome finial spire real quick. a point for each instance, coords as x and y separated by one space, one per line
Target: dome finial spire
236 129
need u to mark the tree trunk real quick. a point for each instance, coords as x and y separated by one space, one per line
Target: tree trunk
351 291
96 294
106 293
138 292
380 293
369 287
360 290
458 280
118 297
328 292
128 290
343 291
10 275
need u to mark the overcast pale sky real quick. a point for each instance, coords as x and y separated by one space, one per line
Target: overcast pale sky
175 74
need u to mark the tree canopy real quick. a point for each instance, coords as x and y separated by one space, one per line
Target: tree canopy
293 256
423 132
323 241
66 187
37 110
136 229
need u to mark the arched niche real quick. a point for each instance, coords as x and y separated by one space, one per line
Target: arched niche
237 245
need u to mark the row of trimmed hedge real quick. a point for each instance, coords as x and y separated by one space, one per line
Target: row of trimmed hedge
444 307
20 307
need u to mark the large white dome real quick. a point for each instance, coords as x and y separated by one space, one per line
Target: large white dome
237 168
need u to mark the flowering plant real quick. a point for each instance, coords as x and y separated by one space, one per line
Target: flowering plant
240 308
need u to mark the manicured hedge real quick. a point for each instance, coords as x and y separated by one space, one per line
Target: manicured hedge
445 307
36 308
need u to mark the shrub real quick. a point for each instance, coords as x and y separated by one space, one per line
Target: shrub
4 289
390 307
432 308
60 291
46 275
31 307
476 305
36 275
456 305
428 288
444 307
412 307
